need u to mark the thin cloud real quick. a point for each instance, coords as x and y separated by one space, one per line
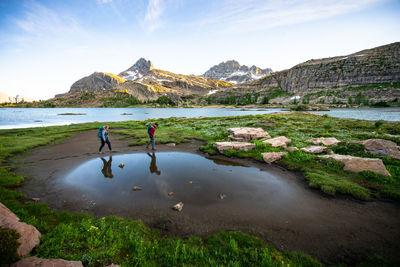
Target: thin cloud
152 19
253 15
39 22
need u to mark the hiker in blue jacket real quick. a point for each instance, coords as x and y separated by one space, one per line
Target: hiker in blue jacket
103 135
151 129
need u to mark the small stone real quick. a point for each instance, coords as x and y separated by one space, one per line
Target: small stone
170 193
178 207
270 157
292 148
314 149
326 141
281 141
36 199
121 165
190 182
222 196
35 261
171 144
136 188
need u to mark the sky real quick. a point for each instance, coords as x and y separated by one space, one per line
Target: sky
47 45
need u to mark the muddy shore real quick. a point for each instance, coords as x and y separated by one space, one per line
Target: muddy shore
338 229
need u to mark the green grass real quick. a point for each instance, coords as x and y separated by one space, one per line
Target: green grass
98 242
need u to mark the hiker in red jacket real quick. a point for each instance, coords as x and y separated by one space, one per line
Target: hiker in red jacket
151 130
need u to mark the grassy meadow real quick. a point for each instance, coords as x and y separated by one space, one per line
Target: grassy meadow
102 241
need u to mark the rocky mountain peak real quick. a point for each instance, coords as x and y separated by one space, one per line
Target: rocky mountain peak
140 68
232 71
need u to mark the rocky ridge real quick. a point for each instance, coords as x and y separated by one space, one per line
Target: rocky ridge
232 71
371 74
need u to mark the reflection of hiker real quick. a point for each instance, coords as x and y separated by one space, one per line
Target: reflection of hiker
153 166
151 129
103 135
107 168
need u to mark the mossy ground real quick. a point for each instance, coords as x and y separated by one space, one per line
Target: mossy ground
98 242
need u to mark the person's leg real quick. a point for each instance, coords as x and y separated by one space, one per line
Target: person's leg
148 143
153 142
102 144
109 144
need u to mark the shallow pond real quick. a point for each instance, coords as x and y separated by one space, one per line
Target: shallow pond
198 182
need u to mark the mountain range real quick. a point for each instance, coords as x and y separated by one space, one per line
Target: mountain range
373 73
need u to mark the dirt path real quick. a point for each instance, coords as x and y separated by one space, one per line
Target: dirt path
331 229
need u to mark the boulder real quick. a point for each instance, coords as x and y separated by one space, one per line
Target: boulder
314 149
280 141
34 261
382 147
326 141
30 236
247 133
356 164
240 146
270 157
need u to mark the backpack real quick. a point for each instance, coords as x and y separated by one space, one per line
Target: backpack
149 128
100 132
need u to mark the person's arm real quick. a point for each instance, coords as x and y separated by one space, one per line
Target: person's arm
103 135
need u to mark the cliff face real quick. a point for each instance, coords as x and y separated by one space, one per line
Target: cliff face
377 65
96 81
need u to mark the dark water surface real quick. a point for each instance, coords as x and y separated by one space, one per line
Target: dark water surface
194 180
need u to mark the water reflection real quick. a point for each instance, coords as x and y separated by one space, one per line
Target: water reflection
153 163
107 172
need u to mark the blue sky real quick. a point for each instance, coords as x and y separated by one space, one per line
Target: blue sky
47 45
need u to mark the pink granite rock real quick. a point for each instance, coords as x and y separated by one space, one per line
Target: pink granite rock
280 141
240 146
314 149
270 157
34 261
356 164
247 133
326 141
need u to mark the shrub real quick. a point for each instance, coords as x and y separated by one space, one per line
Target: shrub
8 246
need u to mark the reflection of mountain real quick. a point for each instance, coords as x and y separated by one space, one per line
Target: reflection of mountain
227 162
107 172
153 164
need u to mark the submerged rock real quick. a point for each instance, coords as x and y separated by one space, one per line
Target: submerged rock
326 141
222 196
170 193
30 236
270 157
280 141
34 261
190 182
178 207
240 146
247 133
121 165
314 149
382 147
357 164
136 188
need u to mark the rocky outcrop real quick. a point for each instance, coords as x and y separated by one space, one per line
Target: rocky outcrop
247 133
376 65
314 149
30 236
281 141
34 261
96 81
356 164
326 141
382 147
233 72
239 146
270 157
